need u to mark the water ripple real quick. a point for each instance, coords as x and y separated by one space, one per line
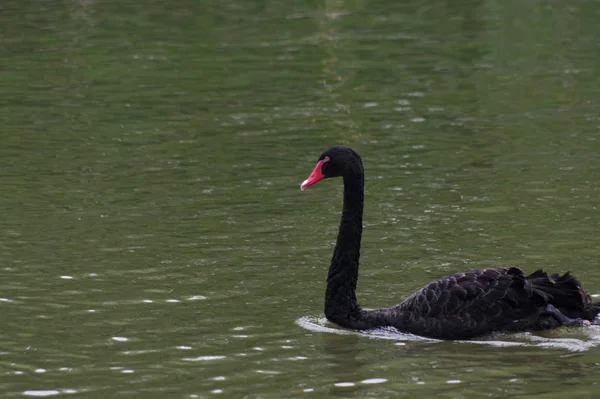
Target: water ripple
590 339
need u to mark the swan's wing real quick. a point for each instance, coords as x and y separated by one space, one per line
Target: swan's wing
478 302
483 293
470 304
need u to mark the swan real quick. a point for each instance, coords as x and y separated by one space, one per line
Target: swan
461 306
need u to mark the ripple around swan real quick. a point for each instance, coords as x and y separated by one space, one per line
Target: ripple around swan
319 324
586 337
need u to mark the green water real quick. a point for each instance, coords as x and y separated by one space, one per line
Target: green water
154 239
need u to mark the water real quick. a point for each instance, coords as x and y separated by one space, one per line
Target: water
155 241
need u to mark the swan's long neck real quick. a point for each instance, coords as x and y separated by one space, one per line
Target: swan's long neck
341 305
343 272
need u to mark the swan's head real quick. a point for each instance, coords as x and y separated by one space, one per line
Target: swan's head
336 161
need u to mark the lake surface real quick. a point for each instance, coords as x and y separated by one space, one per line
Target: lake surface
154 239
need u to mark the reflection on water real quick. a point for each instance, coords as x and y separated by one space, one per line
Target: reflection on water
584 338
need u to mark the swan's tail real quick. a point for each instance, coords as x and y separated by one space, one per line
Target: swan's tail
565 293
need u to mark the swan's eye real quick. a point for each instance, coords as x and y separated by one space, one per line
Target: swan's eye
324 165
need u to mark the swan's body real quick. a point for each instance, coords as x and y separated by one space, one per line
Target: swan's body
461 306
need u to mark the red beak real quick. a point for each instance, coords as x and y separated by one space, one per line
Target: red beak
316 175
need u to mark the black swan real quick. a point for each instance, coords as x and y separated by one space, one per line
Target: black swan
461 306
